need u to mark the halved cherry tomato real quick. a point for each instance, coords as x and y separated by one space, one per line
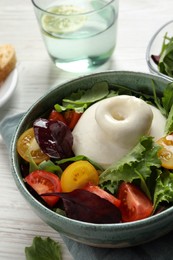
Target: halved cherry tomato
57 116
166 152
27 147
71 118
135 205
45 182
103 194
77 175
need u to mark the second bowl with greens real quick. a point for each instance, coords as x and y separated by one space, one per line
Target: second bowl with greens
93 158
159 54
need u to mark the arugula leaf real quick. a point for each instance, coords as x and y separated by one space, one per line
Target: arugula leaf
157 100
169 122
80 100
123 90
50 167
77 108
46 166
164 60
165 105
167 99
137 164
164 187
44 249
78 158
32 165
165 64
99 91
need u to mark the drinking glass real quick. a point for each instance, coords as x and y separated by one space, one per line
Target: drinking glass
79 35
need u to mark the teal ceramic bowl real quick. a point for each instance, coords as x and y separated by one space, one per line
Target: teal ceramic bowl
101 235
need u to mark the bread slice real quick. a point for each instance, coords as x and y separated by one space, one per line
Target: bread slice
7 60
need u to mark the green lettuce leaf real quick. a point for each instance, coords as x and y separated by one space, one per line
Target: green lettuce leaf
138 164
43 249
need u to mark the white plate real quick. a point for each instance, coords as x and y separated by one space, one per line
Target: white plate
7 87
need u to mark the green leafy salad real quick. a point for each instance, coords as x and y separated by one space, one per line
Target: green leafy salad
164 60
136 187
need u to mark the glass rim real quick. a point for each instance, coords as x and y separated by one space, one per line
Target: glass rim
73 14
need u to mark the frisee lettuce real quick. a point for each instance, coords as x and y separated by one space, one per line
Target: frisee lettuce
138 164
164 187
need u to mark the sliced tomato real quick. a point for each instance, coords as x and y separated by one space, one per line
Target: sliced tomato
103 194
71 118
27 147
166 152
57 116
77 175
135 205
45 182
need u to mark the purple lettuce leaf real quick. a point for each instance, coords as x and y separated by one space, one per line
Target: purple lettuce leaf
86 206
155 58
54 138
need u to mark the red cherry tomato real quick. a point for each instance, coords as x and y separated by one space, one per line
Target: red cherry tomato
45 182
71 118
135 205
57 116
103 194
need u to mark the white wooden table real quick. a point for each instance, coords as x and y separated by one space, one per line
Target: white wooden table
138 20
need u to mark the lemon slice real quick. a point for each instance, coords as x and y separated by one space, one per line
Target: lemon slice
63 24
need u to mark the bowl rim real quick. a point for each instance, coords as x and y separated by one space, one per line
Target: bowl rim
38 205
147 56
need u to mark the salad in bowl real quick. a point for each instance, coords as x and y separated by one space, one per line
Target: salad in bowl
99 155
159 52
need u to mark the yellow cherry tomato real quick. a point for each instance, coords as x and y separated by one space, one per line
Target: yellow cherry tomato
77 175
166 152
27 147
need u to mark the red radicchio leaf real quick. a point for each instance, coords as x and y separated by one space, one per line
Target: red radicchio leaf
86 206
54 138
